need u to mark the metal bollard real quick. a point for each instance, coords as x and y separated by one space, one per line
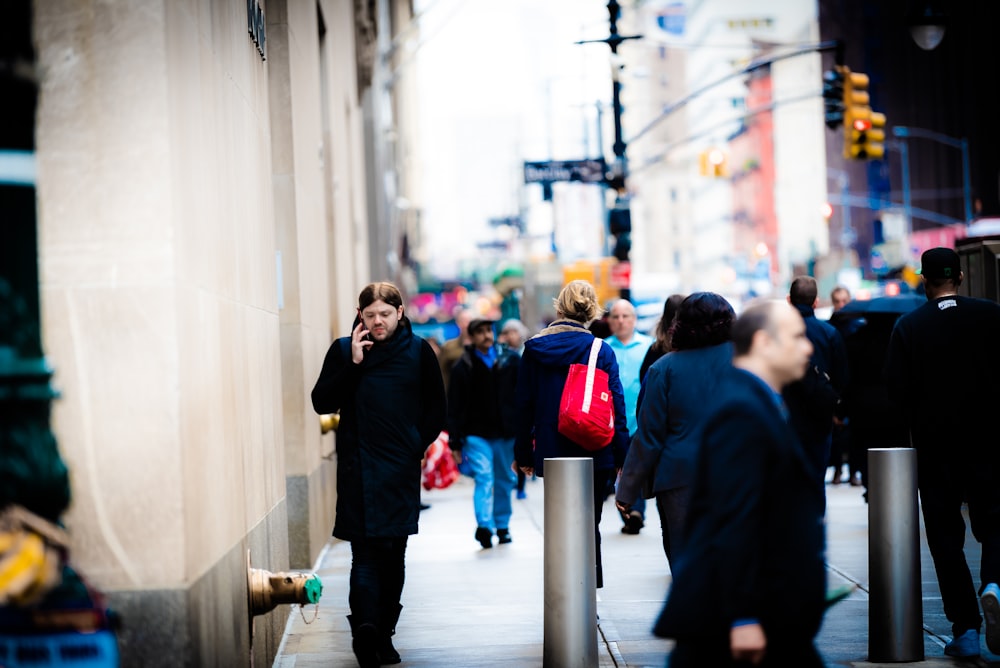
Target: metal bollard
895 604
570 639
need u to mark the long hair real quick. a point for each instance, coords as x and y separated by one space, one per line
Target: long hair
703 319
662 343
381 291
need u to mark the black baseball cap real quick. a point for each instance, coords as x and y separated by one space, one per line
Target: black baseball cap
477 323
940 263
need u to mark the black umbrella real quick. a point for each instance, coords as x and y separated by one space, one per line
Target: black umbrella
897 305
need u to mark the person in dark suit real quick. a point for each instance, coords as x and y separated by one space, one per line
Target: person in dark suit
749 584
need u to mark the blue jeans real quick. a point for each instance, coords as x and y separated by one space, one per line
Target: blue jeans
489 460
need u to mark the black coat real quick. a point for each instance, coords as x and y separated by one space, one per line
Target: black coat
392 406
754 538
481 400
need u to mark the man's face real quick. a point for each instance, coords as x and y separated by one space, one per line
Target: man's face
482 338
790 348
622 321
381 320
512 338
839 299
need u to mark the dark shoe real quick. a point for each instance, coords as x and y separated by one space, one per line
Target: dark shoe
633 523
387 654
964 646
990 601
424 506
484 536
836 477
504 536
364 643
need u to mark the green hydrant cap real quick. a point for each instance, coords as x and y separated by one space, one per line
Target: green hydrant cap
313 588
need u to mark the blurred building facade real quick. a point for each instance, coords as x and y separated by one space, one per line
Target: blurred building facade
946 91
215 182
743 225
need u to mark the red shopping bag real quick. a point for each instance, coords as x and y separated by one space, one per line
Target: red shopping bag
439 469
586 411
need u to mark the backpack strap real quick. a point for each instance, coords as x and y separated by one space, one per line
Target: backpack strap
595 348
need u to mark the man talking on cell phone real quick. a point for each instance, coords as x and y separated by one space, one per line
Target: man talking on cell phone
386 383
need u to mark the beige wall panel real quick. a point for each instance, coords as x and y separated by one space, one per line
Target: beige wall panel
116 425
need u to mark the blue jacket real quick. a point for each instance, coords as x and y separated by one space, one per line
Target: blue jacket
543 371
678 394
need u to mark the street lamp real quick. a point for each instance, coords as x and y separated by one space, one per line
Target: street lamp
927 26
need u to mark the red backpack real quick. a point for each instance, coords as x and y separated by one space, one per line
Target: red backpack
586 411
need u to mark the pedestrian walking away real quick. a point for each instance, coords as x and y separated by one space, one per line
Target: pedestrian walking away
386 383
813 401
481 427
749 584
544 368
675 402
942 372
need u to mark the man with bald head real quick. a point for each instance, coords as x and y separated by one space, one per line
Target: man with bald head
749 582
630 349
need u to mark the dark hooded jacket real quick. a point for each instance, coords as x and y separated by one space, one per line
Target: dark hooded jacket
544 367
392 406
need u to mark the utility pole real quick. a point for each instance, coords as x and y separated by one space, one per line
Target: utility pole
620 216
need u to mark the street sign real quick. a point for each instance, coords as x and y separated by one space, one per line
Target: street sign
547 171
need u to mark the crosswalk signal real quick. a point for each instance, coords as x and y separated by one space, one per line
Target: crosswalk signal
833 97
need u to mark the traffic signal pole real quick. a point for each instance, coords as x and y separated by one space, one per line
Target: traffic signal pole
620 217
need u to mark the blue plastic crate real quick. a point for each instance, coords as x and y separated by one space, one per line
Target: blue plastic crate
59 650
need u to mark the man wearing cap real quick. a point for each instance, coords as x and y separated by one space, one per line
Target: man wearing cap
942 373
481 426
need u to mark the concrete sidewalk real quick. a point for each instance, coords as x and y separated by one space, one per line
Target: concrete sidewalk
469 607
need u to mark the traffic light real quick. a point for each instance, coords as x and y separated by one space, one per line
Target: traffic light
620 227
833 97
864 129
712 162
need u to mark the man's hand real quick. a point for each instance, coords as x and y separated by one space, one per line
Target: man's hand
747 643
359 344
526 470
623 508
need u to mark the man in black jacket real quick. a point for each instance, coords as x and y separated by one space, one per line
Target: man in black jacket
386 383
749 585
812 401
481 427
942 371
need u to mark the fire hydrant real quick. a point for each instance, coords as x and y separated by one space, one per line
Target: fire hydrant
269 590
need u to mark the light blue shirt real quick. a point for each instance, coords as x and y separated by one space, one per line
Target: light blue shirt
630 356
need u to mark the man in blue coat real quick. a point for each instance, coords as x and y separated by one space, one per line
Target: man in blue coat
750 583
386 383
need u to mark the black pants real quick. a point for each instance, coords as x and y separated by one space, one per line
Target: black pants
943 488
377 574
602 478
